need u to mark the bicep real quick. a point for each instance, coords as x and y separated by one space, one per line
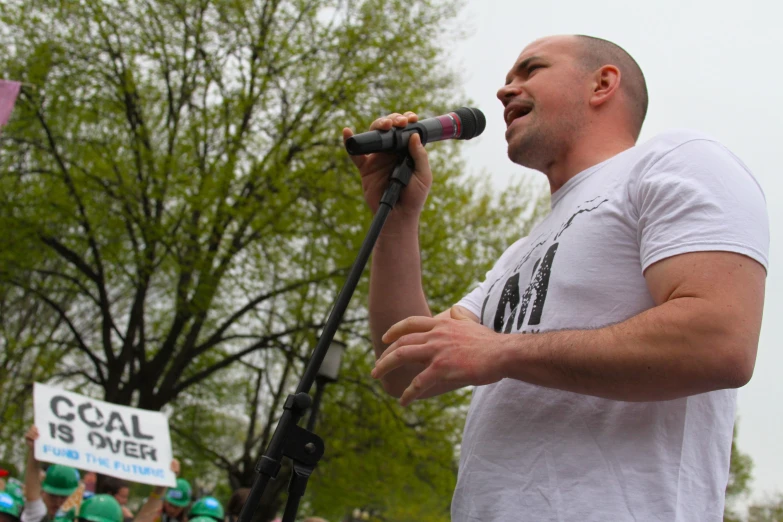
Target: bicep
731 284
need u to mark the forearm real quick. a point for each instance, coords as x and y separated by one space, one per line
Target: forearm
32 477
395 280
149 511
682 347
396 291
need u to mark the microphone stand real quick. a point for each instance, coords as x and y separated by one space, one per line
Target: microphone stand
303 447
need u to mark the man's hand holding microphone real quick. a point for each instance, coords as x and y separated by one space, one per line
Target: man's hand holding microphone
375 169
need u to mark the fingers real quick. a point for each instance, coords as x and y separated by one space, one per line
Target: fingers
419 386
410 325
31 434
462 314
418 153
386 123
416 353
394 120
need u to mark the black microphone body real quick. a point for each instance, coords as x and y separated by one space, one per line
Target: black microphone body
463 124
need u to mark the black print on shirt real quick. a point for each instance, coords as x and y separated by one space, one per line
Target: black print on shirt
536 289
539 284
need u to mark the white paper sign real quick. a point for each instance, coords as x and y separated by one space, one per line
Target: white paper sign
99 436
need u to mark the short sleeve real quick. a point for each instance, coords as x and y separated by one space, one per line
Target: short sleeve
473 301
700 197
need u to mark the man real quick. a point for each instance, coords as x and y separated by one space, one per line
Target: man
207 507
119 489
641 294
167 504
14 489
90 479
44 500
100 508
235 503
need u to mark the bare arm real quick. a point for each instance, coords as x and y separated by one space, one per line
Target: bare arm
154 504
152 507
396 293
395 271
702 335
32 473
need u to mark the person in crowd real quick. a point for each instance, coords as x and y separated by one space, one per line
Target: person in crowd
235 504
90 479
100 508
209 507
119 489
14 489
10 509
605 347
167 504
71 505
44 498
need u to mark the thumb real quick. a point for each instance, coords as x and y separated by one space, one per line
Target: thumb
418 153
459 314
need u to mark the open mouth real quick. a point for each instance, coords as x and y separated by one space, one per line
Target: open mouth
516 113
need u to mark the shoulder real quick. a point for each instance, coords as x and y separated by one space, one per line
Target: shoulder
678 155
683 147
673 138
678 143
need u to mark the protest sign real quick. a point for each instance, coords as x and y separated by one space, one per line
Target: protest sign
93 435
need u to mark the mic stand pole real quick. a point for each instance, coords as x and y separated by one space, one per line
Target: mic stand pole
303 447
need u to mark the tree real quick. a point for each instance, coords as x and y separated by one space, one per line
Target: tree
181 162
30 348
174 193
768 511
738 487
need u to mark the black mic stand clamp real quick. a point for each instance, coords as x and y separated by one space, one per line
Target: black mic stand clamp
303 447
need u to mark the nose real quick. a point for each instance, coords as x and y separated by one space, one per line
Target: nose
507 92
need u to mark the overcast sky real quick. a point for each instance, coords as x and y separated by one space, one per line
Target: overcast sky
710 65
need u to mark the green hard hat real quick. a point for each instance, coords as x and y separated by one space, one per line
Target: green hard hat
201 519
101 508
9 505
13 489
180 495
60 480
207 507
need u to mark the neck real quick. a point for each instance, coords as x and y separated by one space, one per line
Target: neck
590 149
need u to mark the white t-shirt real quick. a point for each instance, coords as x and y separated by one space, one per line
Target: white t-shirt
531 453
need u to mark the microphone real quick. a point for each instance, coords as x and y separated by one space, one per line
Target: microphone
463 124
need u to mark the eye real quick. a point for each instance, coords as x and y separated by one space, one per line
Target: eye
532 68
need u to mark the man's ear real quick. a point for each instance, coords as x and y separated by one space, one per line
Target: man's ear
606 82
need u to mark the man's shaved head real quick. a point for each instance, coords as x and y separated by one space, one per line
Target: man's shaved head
596 52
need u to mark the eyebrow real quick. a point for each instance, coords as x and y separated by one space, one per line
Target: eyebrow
522 66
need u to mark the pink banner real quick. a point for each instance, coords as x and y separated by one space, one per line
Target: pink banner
9 90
